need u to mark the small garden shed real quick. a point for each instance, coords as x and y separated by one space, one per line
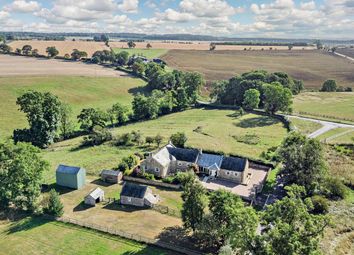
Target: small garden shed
70 176
111 176
94 197
137 195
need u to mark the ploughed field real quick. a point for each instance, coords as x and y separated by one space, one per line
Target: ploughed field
78 91
346 51
311 66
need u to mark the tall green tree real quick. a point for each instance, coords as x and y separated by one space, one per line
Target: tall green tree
118 113
290 228
194 203
55 207
251 99
145 107
52 51
21 169
329 86
277 98
66 126
26 49
179 139
122 58
303 161
90 117
43 114
131 44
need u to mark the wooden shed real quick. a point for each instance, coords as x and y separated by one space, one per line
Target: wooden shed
111 176
94 197
137 195
70 176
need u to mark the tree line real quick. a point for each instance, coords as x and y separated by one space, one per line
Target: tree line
258 89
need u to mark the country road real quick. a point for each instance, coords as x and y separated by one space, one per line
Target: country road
327 125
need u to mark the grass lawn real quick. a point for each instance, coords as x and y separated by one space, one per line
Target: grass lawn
79 92
206 129
148 53
338 136
304 126
39 236
326 105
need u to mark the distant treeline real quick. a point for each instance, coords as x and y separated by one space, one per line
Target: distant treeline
299 44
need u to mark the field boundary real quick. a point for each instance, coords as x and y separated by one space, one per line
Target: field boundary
116 232
151 182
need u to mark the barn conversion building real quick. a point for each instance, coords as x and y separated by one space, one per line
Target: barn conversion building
70 176
137 195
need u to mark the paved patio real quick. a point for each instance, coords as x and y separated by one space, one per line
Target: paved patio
245 191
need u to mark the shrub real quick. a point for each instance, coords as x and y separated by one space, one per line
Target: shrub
124 140
139 155
169 179
335 189
320 205
149 140
179 139
329 86
98 136
122 166
55 206
148 176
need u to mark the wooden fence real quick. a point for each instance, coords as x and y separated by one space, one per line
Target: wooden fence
134 237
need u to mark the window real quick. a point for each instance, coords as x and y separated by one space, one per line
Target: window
228 173
179 163
235 174
129 199
157 170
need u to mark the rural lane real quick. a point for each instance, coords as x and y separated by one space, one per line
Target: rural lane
327 125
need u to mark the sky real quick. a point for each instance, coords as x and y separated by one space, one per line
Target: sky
323 19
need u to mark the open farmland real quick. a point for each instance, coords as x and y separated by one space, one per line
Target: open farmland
326 105
148 53
79 92
39 236
64 47
218 130
312 66
346 51
198 45
30 66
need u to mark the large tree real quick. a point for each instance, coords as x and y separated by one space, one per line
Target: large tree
277 98
66 126
145 107
52 51
118 113
43 114
329 86
26 49
90 117
289 227
303 161
179 139
194 202
251 99
4 48
21 170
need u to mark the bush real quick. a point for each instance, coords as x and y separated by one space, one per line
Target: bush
124 140
169 179
149 176
179 139
55 206
122 166
320 205
98 136
329 86
335 189
139 155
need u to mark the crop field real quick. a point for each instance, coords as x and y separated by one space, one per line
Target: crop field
148 53
64 47
198 45
39 236
79 92
30 66
326 105
346 51
217 130
311 66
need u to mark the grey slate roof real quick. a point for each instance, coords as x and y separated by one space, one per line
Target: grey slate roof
233 164
206 160
133 190
68 169
182 154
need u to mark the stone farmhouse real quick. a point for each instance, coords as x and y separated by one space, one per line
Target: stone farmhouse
170 160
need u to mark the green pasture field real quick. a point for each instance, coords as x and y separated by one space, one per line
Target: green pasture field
79 92
39 236
304 126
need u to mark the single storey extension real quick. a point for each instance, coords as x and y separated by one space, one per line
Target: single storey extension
137 195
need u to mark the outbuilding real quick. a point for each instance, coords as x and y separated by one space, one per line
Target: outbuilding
137 195
70 176
111 176
94 197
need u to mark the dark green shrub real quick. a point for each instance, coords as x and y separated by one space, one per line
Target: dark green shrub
55 206
335 189
148 176
169 179
320 205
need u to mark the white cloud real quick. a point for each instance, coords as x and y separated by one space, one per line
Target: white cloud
129 6
172 15
208 8
22 6
4 15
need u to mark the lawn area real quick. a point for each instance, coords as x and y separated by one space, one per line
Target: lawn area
79 92
326 105
148 53
207 129
338 136
304 126
39 236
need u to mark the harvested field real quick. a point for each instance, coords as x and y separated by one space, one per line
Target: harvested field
148 53
346 51
312 66
29 66
195 45
64 47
